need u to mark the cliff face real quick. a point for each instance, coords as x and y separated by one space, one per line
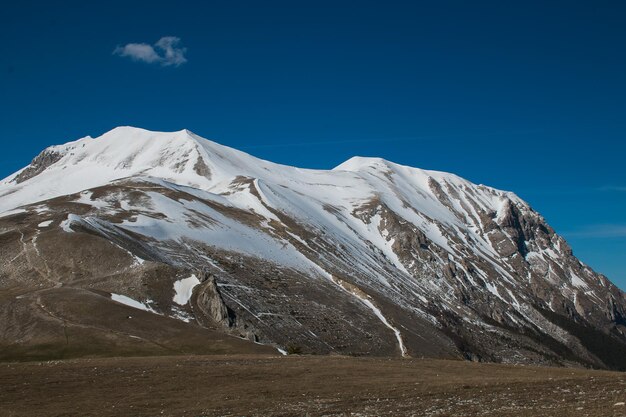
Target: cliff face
371 258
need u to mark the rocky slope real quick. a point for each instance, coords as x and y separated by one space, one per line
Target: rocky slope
370 258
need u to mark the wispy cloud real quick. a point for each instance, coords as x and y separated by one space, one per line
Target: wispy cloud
618 188
574 191
166 52
601 231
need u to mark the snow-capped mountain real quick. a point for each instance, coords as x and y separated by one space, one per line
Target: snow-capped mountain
369 258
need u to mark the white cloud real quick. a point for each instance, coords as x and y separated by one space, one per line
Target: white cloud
165 52
173 55
138 52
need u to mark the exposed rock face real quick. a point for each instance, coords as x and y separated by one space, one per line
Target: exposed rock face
371 258
209 302
38 165
202 169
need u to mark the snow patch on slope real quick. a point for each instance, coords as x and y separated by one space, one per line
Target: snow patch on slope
382 318
218 231
184 288
365 299
122 299
67 223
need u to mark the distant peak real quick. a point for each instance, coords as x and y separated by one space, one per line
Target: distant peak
126 129
357 163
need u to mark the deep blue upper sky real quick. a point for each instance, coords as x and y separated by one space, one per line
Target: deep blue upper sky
523 96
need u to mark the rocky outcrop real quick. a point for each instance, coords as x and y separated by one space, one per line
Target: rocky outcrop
38 165
209 306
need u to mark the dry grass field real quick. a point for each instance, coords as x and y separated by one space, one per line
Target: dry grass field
299 385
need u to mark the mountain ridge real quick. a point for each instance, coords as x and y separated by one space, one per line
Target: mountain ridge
395 260
353 164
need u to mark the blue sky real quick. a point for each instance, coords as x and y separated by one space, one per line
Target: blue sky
523 96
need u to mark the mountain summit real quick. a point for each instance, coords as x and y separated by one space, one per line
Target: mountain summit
194 241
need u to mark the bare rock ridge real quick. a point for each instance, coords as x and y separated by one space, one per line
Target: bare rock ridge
38 165
128 242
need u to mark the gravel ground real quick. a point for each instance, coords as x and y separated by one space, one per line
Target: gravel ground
299 385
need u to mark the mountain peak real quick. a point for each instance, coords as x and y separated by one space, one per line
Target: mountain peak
134 133
358 163
364 164
122 152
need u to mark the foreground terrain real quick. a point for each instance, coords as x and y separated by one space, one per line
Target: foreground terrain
290 386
